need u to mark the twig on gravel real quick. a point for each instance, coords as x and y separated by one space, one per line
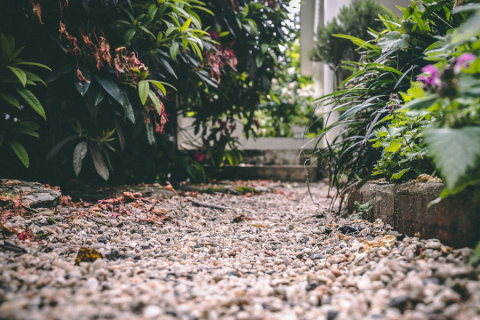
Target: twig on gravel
91 219
203 204
10 246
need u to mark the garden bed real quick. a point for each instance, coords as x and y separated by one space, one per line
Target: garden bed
405 207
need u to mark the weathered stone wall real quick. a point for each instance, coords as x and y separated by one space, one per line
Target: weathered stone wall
406 208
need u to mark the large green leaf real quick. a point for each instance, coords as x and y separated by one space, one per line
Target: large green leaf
98 161
32 64
20 151
143 89
6 50
127 108
78 155
20 75
53 152
155 101
454 152
111 87
30 98
393 41
174 49
10 99
420 103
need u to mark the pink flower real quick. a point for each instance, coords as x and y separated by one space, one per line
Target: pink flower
213 35
199 155
430 78
463 61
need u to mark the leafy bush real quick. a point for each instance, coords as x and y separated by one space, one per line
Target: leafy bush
112 103
14 80
390 62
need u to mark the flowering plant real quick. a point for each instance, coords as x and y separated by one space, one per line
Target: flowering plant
451 97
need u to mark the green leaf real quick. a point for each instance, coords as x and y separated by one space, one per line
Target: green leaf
99 97
420 103
14 55
393 147
170 30
144 29
155 101
127 108
27 127
149 131
454 152
20 151
364 208
78 155
129 35
274 56
143 91
174 49
111 87
10 99
274 97
20 75
264 47
398 175
186 24
34 77
30 98
32 64
98 161
82 86
53 152
6 50
160 85
394 40
259 59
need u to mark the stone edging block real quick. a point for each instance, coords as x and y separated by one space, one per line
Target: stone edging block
405 207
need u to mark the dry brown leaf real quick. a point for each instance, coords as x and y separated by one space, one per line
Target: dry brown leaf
87 255
387 241
170 188
158 211
258 225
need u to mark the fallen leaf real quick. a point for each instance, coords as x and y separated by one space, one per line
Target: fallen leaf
417 234
387 241
258 226
87 255
23 236
269 253
170 188
159 211
239 218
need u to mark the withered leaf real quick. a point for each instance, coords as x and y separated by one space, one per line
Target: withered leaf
170 188
87 255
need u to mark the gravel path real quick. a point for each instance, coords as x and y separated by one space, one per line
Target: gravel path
269 256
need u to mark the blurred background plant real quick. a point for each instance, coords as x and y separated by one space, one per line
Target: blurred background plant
359 19
289 105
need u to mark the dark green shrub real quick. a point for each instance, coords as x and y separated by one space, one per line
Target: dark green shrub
109 107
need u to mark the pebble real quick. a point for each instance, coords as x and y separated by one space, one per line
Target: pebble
304 264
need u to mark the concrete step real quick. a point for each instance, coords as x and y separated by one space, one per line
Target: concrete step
270 172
